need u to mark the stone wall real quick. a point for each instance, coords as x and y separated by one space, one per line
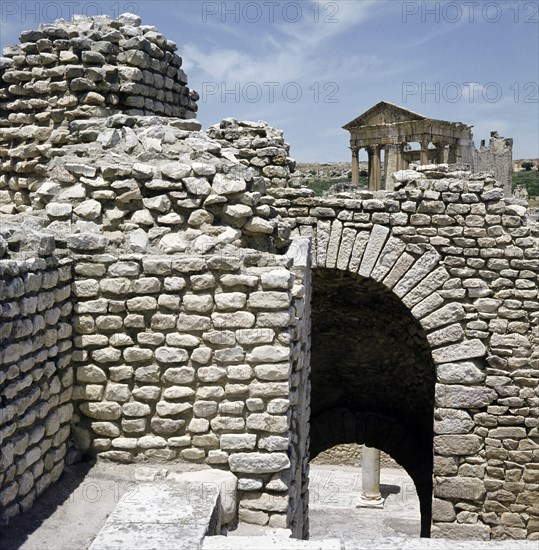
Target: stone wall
36 375
190 338
197 359
93 66
89 67
146 184
464 259
258 146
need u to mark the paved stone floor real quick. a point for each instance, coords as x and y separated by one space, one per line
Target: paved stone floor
70 515
72 512
333 513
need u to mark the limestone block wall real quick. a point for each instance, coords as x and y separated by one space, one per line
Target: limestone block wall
89 67
258 146
298 509
93 66
36 376
195 358
465 261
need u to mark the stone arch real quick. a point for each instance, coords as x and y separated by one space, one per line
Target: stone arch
412 272
410 275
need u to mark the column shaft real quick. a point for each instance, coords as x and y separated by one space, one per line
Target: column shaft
391 163
440 152
424 154
452 155
375 170
371 472
355 166
370 476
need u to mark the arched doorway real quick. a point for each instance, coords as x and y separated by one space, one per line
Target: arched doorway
372 376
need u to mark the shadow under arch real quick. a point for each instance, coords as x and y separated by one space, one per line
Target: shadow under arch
372 376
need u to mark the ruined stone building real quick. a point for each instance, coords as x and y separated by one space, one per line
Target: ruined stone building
167 296
389 129
497 157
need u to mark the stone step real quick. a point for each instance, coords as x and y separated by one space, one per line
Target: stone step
276 541
159 516
268 542
409 543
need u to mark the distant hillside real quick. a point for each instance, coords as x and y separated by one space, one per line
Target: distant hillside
517 164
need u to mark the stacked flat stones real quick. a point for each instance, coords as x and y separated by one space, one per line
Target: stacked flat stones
36 377
258 146
149 183
194 358
90 67
93 66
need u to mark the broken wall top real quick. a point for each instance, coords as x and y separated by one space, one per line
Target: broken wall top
92 67
143 185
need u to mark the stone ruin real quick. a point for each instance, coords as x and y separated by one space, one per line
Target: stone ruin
167 295
389 129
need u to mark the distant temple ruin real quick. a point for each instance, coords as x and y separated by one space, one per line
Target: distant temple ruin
391 129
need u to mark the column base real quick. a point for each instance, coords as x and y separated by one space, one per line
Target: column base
364 502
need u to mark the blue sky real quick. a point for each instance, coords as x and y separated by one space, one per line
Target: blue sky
308 67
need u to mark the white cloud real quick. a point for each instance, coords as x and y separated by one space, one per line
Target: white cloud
284 51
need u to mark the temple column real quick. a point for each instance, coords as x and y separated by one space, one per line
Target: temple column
369 167
370 496
424 153
452 154
391 161
440 152
375 172
355 165
400 158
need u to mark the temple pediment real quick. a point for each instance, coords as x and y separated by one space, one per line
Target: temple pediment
384 113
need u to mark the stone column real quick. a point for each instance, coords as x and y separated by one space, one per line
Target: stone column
400 159
390 165
355 165
465 149
370 478
440 152
369 167
424 154
375 172
452 154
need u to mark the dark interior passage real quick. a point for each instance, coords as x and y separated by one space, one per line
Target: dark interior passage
372 378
